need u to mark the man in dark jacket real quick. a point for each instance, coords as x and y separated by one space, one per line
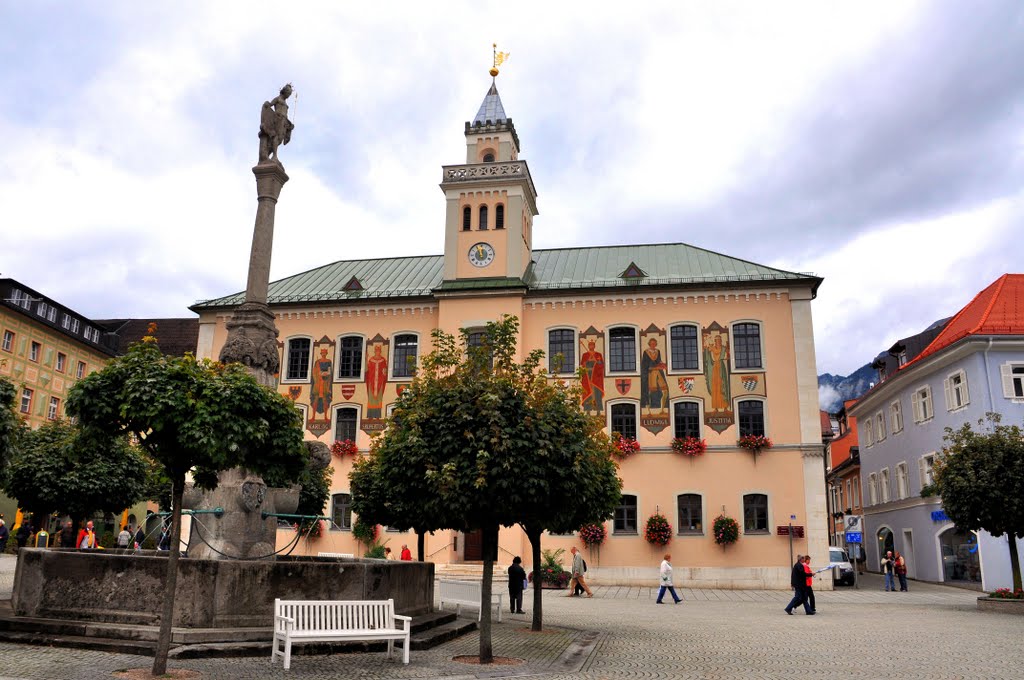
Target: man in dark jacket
516 581
798 579
67 536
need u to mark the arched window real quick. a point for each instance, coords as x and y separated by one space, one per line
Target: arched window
562 350
350 357
405 356
747 345
499 216
298 359
488 157
623 419
467 215
684 347
622 355
483 218
687 419
345 421
751 417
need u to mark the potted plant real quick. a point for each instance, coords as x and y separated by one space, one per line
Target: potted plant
593 535
726 530
624 446
689 446
344 447
755 443
658 531
551 573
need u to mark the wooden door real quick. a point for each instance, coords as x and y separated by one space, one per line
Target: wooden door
473 546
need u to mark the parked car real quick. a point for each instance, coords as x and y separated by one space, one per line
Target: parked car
842 569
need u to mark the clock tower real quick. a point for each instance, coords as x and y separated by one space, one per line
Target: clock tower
491 203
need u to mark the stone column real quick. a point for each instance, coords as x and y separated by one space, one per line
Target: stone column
252 335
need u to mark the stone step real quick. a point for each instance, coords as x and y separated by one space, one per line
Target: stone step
45 639
444 633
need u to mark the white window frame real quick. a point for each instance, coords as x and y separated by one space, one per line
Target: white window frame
884 485
576 350
902 481
392 363
337 357
955 387
285 380
923 403
869 434
879 427
351 515
27 396
1012 376
668 349
608 349
873 489
34 350
700 414
732 346
53 410
61 362
8 341
65 321
896 416
925 465
358 408
849 494
616 402
856 500
74 325
80 370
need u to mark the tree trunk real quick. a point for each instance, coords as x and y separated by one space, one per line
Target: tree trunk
163 643
1014 560
421 545
490 542
535 534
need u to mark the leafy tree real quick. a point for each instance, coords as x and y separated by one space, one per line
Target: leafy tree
62 467
481 441
190 416
316 489
10 424
980 477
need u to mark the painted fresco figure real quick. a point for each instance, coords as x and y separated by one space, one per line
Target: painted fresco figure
592 363
716 373
376 381
653 381
322 386
275 128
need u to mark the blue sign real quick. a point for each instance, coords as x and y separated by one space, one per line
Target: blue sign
854 537
939 516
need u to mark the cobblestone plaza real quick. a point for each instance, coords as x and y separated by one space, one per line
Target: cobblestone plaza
931 632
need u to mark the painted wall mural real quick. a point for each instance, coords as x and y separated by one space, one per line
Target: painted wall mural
592 363
376 383
718 414
654 391
321 386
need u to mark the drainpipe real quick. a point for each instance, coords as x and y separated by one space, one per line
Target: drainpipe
988 377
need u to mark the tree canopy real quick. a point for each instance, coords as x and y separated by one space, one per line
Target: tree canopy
481 440
10 425
980 477
194 416
61 467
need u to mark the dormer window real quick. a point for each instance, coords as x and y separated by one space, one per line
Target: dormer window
499 216
467 216
483 218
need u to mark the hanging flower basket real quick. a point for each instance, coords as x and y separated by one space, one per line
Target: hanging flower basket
658 531
365 532
593 535
344 447
754 443
625 446
727 531
689 446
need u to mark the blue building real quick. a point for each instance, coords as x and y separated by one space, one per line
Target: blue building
944 377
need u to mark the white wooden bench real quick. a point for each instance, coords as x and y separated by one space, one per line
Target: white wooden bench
468 593
337 620
330 554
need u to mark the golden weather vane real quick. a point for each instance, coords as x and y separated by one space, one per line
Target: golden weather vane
499 59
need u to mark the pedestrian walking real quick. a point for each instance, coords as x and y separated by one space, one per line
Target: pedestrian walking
666 581
406 553
900 567
577 574
798 580
809 585
516 585
67 536
23 533
888 568
124 538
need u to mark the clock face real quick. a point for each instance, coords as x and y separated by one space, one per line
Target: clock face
481 254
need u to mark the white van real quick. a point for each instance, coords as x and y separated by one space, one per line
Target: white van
842 569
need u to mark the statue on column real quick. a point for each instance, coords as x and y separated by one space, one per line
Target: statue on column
275 128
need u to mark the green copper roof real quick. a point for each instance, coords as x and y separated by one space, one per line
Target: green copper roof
600 267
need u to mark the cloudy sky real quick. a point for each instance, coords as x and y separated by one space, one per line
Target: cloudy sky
877 144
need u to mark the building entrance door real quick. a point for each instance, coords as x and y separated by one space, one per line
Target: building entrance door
473 546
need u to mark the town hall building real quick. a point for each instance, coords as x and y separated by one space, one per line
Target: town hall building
670 340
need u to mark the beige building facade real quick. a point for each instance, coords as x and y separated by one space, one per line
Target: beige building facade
672 342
